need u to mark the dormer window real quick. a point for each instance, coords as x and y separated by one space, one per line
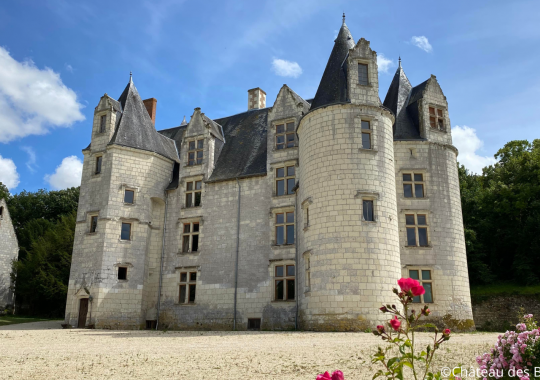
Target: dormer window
363 74
436 119
102 122
284 136
195 152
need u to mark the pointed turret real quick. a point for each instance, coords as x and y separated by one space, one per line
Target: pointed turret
136 129
333 85
397 99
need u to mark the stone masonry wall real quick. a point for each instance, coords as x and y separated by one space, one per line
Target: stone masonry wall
353 263
9 250
502 312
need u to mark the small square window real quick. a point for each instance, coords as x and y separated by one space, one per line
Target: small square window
367 210
93 223
126 231
254 323
413 181
366 140
122 273
417 231
183 277
129 196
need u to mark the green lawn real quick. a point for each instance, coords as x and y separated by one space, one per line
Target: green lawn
14 319
504 289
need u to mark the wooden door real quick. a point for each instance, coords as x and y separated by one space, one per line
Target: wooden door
83 310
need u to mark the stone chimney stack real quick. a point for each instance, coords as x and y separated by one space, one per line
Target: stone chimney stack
150 105
256 99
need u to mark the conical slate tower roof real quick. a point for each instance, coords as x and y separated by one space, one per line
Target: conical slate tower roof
397 99
136 130
332 88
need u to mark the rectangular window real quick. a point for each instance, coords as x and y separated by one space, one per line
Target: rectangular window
307 263
102 124
285 228
188 287
195 152
426 281
413 185
363 74
284 282
285 180
126 231
98 164
93 223
129 196
436 119
122 273
366 134
284 136
306 217
367 208
417 234
190 237
193 193
254 323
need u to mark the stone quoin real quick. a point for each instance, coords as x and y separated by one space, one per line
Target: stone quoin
299 215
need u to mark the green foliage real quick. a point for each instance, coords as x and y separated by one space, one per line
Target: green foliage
4 192
501 212
42 276
44 222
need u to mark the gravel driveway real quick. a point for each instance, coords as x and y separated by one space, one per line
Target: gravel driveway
43 351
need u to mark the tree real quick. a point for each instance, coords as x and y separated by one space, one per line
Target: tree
4 192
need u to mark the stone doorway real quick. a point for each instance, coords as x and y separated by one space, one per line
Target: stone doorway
83 310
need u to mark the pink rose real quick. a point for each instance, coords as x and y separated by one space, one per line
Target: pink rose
446 332
410 284
324 376
395 323
337 375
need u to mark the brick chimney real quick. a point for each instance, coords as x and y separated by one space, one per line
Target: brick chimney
150 105
256 99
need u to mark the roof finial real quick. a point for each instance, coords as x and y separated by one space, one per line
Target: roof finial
130 77
399 61
344 17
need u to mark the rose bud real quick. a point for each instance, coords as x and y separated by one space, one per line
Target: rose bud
446 332
395 323
383 309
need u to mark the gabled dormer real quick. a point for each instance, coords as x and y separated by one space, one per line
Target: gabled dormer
429 109
362 74
106 114
202 140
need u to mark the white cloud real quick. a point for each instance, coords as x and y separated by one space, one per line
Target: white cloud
468 143
69 68
8 173
285 68
67 174
384 63
422 42
31 163
33 100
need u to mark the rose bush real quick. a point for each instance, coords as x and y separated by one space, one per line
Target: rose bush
515 355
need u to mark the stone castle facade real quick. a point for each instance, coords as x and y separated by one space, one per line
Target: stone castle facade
9 251
299 215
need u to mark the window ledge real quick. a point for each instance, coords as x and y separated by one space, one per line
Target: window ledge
424 248
285 196
283 246
413 198
129 204
282 302
193 166
186 304
180 253
274 149
192 207
364 85
436 130
373 150
122 280
124 241
372 222
91 233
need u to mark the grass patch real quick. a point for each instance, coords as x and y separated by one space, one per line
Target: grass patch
15 319
504 289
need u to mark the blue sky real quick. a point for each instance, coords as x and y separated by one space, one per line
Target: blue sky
57 58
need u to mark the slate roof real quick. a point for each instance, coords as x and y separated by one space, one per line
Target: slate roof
333 85
399 99
135 128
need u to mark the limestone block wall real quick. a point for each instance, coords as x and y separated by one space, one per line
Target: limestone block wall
117 303
9 251
354 264
445 255
215 260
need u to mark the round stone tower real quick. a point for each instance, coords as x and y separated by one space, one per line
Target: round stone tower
349 244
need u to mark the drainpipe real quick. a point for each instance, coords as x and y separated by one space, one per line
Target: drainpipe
237 251
296 253
162 255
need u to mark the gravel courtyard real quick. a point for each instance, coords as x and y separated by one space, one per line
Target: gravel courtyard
43 351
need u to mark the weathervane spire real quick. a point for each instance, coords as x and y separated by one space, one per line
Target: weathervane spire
131 77
344 17
399 61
